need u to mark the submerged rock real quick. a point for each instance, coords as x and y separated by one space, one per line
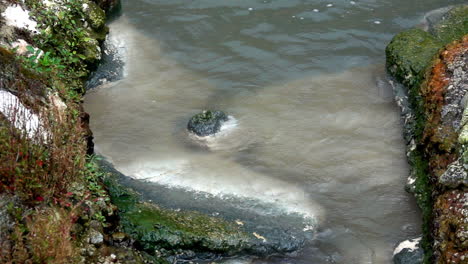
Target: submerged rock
180 236
207 123
166 233
111 66
409 252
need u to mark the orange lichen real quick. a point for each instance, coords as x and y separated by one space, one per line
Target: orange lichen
440 147
440 139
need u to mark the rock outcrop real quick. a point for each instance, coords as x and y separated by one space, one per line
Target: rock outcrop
432 67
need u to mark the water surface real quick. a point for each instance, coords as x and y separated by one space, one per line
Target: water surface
315 130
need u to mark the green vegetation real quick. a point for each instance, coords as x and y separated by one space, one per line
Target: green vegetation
423 194
67 42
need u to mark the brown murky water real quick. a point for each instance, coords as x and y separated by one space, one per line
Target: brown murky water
314 132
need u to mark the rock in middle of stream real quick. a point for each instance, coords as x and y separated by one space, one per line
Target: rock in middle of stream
207 122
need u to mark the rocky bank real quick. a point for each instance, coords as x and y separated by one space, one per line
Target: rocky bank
430 69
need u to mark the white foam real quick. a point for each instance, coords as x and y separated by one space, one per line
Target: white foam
16 16
411 244
229 125
231 136
410 180
224 179
237 261
117 41
21 117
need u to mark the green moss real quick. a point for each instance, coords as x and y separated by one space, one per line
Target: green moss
423 193
409 54
155 228
205 116
453 26
91 50
95 16
99 34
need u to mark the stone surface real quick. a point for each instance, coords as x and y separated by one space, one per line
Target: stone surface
111 66
454 176
451 25
207 123
95 16
409 252
95 237
432 66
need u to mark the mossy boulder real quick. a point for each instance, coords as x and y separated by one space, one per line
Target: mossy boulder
94 15
409 54
164 232
207 122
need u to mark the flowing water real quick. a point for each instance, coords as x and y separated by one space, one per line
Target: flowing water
314 131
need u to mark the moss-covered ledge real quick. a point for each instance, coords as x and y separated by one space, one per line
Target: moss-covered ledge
432 68
175 234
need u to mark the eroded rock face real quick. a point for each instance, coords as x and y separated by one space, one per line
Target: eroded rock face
433 68
207 123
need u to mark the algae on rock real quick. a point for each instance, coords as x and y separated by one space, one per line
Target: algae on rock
165 233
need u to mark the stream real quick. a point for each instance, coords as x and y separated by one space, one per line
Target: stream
314 148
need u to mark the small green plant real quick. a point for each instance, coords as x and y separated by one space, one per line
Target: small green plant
93 176
99 217
42 62
65 41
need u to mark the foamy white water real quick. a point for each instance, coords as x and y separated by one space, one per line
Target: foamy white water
225 179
